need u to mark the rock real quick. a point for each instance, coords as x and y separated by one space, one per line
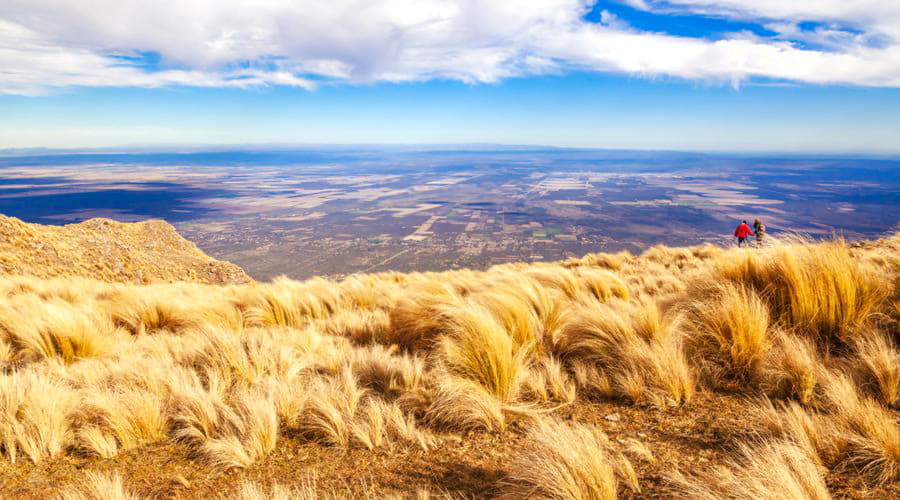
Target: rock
106 250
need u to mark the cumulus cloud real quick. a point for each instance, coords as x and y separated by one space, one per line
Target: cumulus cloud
52 44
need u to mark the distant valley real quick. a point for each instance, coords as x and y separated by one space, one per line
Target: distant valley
335 211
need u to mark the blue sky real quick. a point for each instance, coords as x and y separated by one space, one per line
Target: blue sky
681 74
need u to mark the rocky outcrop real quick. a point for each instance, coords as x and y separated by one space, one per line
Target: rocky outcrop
141 252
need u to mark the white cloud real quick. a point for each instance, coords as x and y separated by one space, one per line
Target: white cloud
874 16
47 44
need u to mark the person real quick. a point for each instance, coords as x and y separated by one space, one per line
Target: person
742 231
760 231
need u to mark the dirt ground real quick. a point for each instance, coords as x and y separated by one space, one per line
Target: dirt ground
691 439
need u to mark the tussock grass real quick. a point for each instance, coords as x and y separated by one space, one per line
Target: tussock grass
402 362
415 320
254 491
629 348
459 404
514 313
338 412
549 381
142 314
362 327
877 367
817 435
477 347
602 285
767 471
568 461
793 368
119 420
387 371
37 330
330 409
98 486
730 332
34 416
854 432
247 430
818 290
873 435
272 308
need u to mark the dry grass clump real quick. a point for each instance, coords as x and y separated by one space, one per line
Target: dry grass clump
414 319
613 262
854 432
254 491
568 461
877 367
774 320
818 290
272 307
119 419
35 329
549 381
768 471
34 416
386 370
360 326
873 436
98 486
337 412
232 431
477 347
629 350
513 312
460 404
602 285
729 332
142 313
793 369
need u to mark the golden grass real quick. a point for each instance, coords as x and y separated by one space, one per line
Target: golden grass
477 347
459 404
37 329
793 368
98 486
768 471
877 365
819 290
402 361
629 348
730 331
568 461
854 432
140 314
34 416
873 436
119 420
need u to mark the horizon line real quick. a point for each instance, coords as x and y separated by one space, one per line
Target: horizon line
190 148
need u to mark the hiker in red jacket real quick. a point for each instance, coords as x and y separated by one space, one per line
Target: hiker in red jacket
742 231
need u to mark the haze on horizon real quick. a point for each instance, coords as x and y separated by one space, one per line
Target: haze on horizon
707 75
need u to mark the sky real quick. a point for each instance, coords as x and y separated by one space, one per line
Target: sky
761 75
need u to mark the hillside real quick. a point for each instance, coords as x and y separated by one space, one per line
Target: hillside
700 372
103 249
